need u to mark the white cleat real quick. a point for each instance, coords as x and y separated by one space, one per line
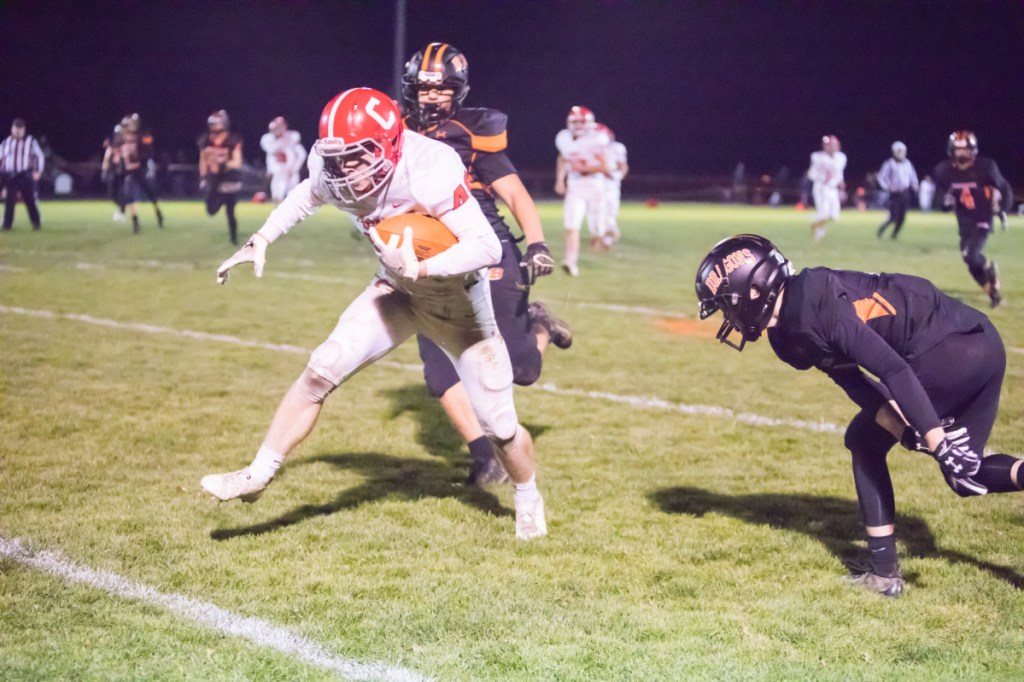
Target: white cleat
119 217
530 522
571 269
234 484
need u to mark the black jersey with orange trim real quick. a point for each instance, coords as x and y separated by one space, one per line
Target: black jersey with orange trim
972 187
480 136
218 152
840 321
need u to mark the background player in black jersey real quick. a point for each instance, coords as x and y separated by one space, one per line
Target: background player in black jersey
220 163
973 186
134 151
434 86
940 365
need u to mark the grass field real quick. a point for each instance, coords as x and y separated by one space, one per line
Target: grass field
684 544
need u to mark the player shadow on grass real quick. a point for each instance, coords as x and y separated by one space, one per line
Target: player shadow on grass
832 521
387 478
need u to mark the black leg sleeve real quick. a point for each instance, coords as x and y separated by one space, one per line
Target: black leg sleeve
869 443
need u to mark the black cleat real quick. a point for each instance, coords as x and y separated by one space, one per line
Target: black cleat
863 576
159 219
556 327
995 298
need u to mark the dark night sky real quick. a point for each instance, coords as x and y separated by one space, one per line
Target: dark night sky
689 87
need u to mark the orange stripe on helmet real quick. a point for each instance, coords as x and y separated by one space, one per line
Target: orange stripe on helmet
438 56
426 56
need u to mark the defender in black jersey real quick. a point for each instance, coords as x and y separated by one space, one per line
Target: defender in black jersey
434 86
939 364
973 186
220 163
134 151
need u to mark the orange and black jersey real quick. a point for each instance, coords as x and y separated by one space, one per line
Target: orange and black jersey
841 321
480 137
972 188
217 154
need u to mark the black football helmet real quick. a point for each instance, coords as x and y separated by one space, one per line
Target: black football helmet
439 65
742 277
962 139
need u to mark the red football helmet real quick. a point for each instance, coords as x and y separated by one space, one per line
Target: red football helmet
579 120
602 128
360 142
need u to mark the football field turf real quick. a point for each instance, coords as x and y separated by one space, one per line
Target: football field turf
699 500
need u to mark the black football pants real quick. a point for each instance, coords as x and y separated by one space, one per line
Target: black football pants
510 298
24 184
962 376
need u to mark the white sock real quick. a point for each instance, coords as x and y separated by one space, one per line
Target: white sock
265 464
527 493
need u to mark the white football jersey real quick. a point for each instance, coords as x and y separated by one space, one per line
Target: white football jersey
616 159
284 153
827 169
429 179
587 150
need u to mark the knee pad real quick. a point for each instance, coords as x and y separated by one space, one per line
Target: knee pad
864 435
314 386
487 373
526 369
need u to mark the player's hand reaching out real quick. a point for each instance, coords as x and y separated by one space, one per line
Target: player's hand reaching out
254 251
398 258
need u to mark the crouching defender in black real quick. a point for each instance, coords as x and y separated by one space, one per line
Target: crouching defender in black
940 364
973 186
435 83
220 163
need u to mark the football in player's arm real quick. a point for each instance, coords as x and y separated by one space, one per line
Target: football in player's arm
975 189
366 165
939 364
434 87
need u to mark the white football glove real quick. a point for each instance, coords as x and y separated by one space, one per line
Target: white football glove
254 251
400 260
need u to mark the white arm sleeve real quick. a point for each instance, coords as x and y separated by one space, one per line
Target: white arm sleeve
478 246
300 203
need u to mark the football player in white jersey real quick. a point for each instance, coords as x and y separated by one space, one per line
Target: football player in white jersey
618 168
580 175
285 155
826 172
368 166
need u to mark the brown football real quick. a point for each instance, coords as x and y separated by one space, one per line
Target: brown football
429 235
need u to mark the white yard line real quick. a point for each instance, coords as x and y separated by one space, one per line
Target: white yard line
641 402
259 632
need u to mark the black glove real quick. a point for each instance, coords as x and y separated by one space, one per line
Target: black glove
956 460
537 261
913 441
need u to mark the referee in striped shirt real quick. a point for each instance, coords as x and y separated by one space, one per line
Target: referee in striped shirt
899 178
21 165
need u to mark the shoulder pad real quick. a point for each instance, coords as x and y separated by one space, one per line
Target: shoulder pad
486 127
201 141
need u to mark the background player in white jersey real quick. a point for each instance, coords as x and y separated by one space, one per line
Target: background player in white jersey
618 168
367 166
826 172
285 155
580 176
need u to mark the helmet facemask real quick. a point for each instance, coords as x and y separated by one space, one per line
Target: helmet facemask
356 170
